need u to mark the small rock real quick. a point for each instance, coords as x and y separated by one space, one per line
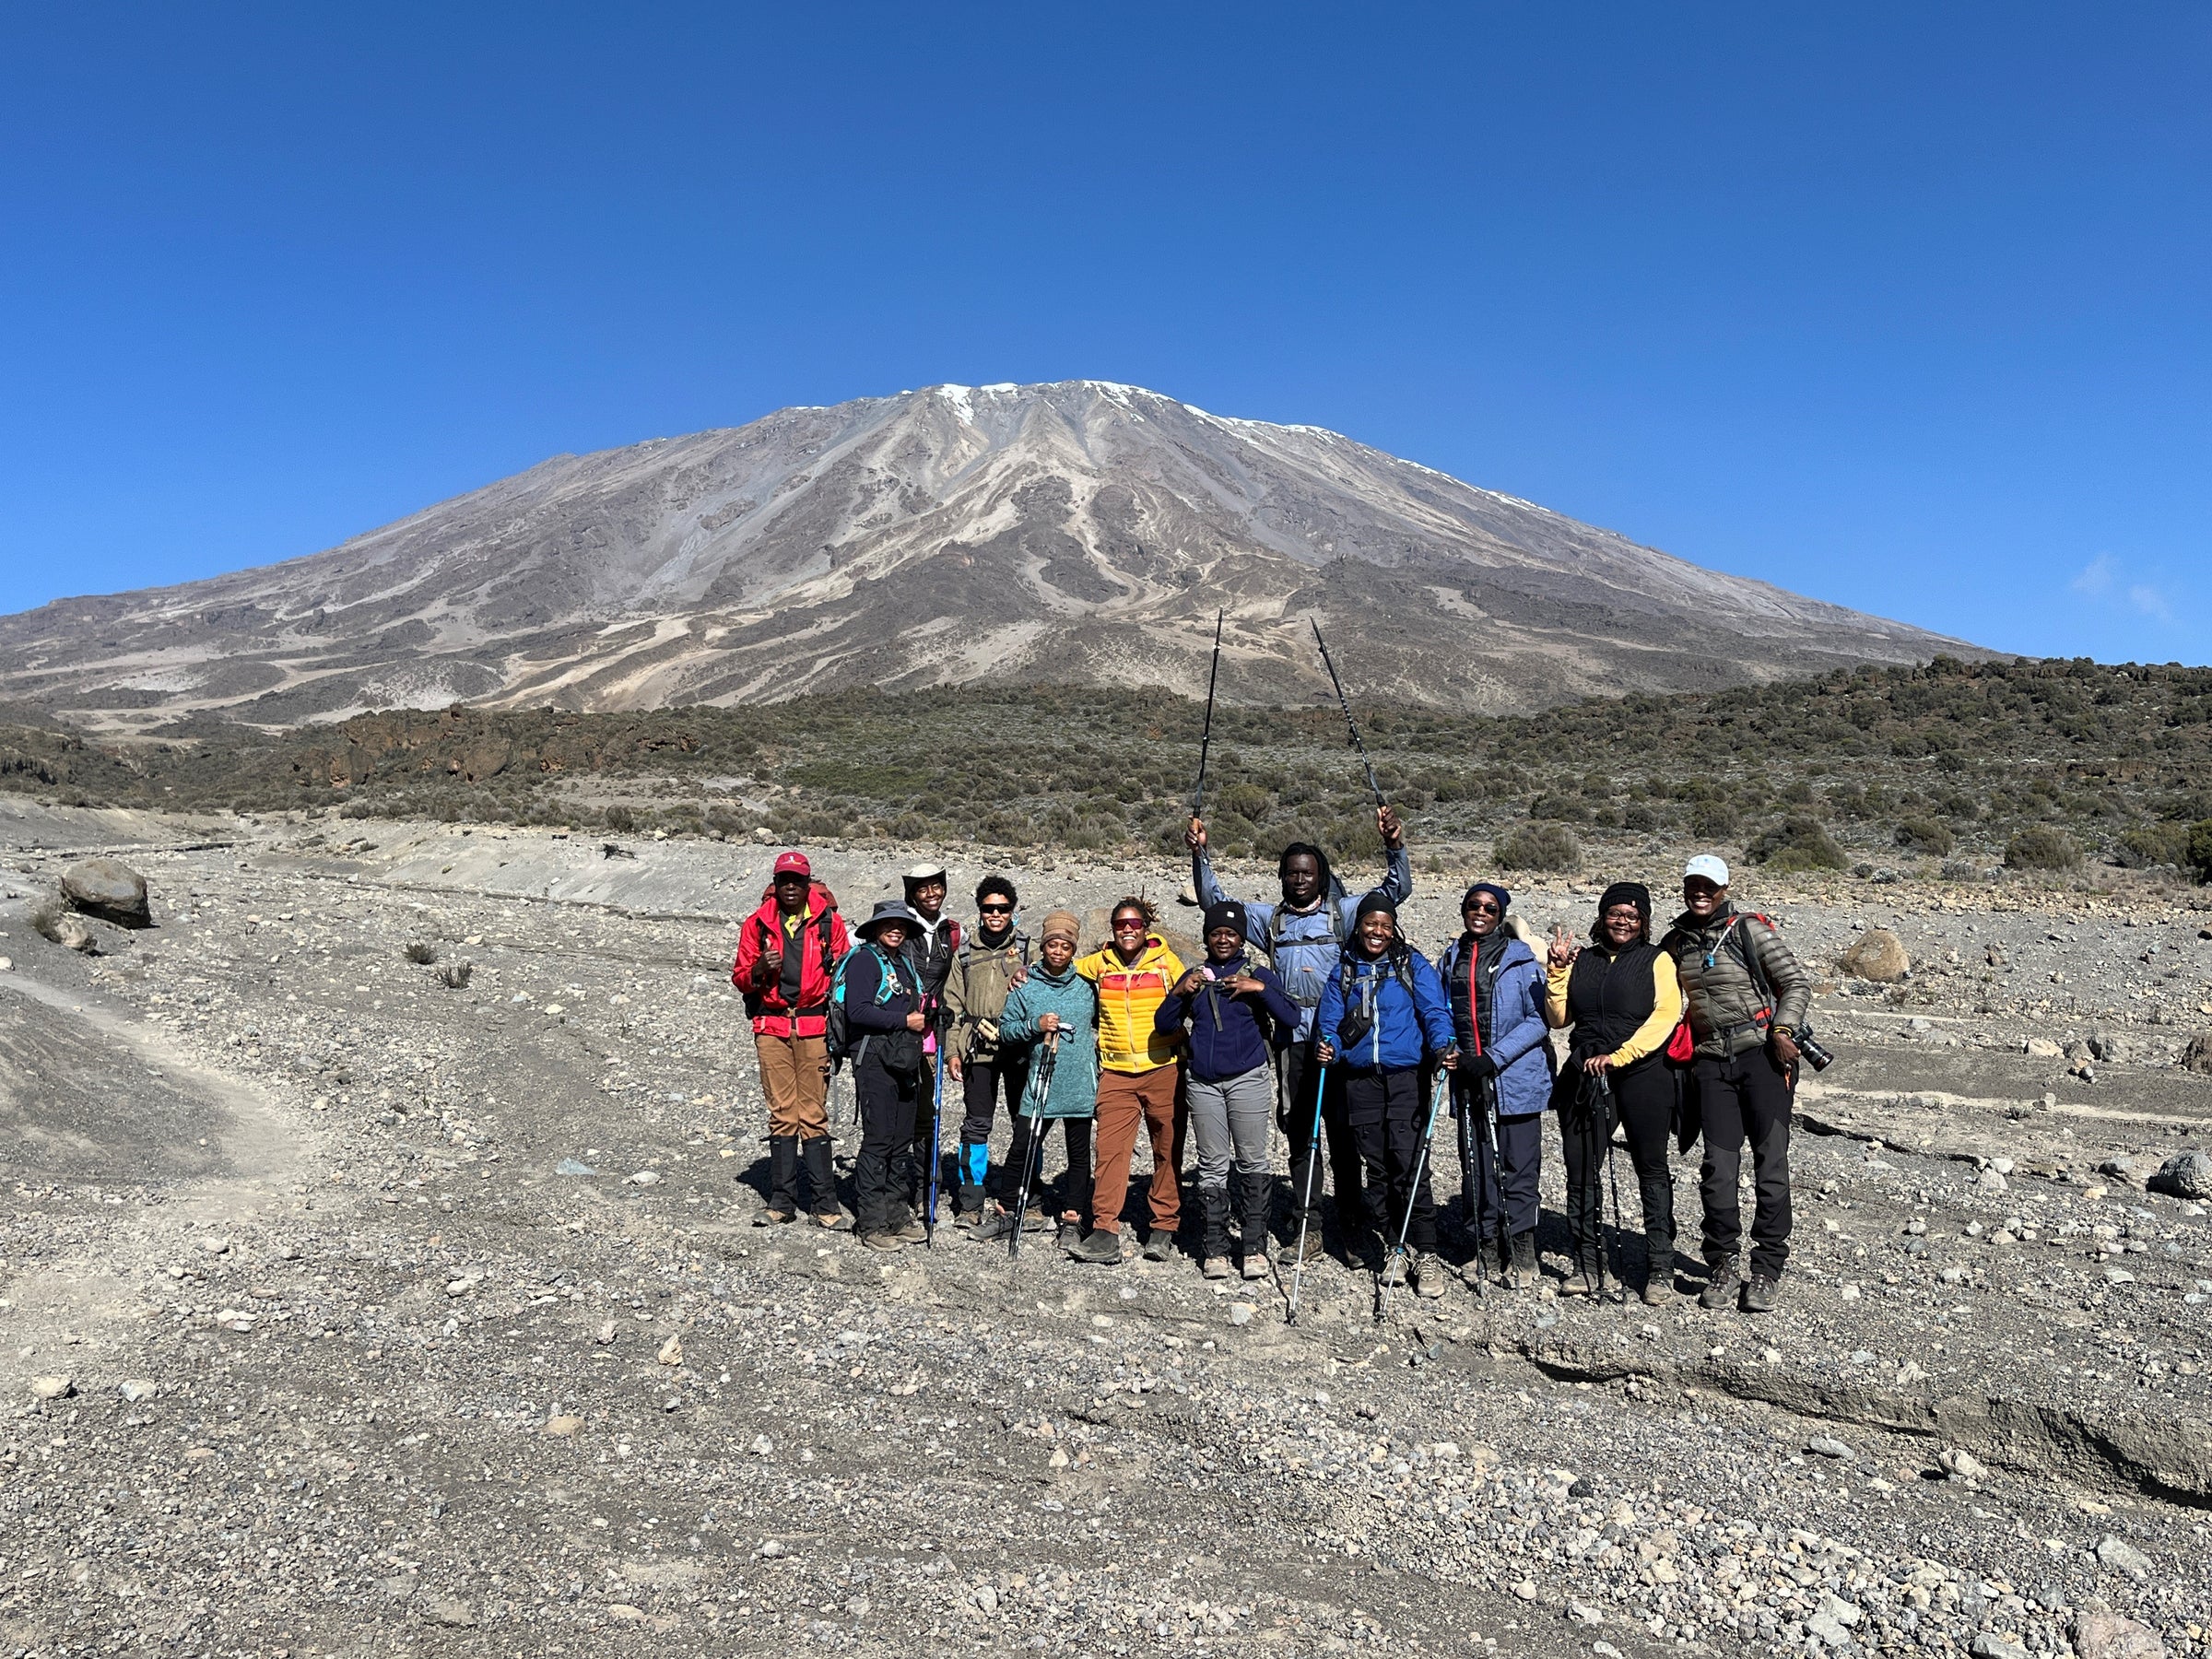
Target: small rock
448 1610
1822 1446
573 1166
1583 1613
1527 1589
761 1445
770 1550
1990 1645
1240 1313
564 1427
2122 1556
1878 955
2041 1048
2118 1275
1961 1466
1991 1180
2102 1634
460 1286
986 1597
136 1391
108 891
624 1612
52 1388
216 1246
606 1333
2187 1175
645 1178
671 1351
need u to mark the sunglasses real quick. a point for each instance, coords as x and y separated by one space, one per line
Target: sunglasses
1482 907
1129 924
998 909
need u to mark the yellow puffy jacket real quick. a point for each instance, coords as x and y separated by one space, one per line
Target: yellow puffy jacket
1129 995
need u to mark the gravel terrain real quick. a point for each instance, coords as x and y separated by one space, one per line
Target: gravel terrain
351 1311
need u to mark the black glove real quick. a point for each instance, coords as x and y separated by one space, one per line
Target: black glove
1475 1068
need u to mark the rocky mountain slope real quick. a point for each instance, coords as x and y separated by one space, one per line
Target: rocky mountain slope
1079 532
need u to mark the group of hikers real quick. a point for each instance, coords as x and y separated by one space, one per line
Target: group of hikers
1312 1015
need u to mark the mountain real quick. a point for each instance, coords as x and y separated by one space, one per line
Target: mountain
1075 532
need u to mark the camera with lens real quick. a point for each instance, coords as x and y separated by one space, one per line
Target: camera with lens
1811 1050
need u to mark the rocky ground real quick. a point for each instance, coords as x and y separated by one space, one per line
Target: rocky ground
353 1309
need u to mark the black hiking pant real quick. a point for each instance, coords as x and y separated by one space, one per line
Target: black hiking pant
1643 1104
982 1083
1029 1136
883 1175
1388 1111
1295 1072
1745 1098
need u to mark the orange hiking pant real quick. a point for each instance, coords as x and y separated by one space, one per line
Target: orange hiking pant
1153 1099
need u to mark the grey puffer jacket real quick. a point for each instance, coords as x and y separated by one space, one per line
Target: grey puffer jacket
1728 1015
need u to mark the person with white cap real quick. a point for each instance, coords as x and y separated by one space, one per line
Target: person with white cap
1746 996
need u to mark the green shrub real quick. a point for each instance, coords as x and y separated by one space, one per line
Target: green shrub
1713 820
1796 844
2149 844
1925 835
2200 848
1539 846
2041 847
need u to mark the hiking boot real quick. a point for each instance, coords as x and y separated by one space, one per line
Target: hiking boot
1427 1276
1292 1253
1071 1236
883 1240
1759 1295
1034 1219
1255 1262
1658 1290
782 1179
997 1224
1159 1246
1721 1287
1524 1272
1216 1268
821 1181
1580 1282
773 1217
1099 1245
909 1229
1393 1270
829 1218
969 1205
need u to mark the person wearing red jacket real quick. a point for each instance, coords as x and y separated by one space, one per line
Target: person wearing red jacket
787 957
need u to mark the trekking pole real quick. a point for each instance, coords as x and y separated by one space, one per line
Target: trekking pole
1346 706
1040 1087
1413 1196
1619 1292
1205 737
1467 1166
936 1156
1305 1203
1497 1174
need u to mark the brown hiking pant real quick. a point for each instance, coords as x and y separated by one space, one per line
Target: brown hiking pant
794 1076
1149 1098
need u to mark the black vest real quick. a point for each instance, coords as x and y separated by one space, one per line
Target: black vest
1473 1015
1609 996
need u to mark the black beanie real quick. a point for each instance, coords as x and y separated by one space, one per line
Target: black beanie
1229 913
999 885
1376 900
1626 893
1505 900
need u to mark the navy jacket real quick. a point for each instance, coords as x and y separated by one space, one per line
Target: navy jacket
1231 1035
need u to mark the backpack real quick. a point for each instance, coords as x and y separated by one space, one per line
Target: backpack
821 924
837 1029
1400 961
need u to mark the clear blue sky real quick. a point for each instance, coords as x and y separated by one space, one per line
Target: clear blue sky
1905 307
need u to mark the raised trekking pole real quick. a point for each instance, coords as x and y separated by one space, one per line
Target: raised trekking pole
1305 1202
1205 737
1619 1292
1397 1256
1040 1087
936 1156
1346 706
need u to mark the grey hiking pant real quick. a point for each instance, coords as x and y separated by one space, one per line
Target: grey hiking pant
1231 1120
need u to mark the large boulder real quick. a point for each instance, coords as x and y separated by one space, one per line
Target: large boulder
1878 955
2197 1056
2186 1175
109 890
2100 1633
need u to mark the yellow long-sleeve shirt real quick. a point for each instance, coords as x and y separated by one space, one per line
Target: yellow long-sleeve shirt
1648 1038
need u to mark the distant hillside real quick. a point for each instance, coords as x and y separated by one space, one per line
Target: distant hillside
1078 534
1949 765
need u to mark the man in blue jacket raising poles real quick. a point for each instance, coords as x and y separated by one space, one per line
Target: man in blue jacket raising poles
1303 935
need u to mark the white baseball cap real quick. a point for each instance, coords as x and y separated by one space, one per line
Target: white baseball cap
1711 865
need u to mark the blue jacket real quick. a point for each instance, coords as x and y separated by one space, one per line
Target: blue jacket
1408 1024
1231 1035
1305 954
1074 1092
1515 1035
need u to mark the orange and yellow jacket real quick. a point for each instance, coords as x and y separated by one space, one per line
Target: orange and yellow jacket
1129 996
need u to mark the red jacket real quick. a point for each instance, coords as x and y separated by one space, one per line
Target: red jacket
796 1001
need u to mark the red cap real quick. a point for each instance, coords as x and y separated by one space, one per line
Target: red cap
794 864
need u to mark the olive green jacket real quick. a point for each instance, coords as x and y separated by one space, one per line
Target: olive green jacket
975 992
1728 1015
